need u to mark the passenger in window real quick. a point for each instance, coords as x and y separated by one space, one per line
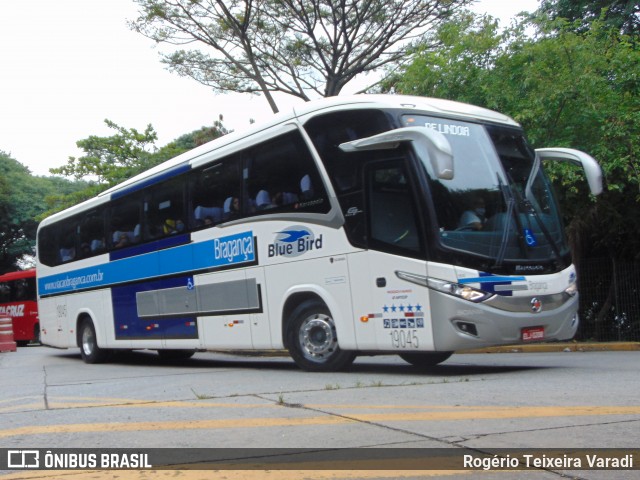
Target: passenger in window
208 221
180 226
169 227
123 240
232 208
474 218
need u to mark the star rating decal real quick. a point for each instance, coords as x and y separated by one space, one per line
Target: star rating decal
402 308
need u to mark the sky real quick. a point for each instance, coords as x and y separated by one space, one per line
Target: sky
67 65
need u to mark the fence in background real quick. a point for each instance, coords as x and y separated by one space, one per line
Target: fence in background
609 300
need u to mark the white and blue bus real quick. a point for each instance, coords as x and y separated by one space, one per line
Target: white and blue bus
373 224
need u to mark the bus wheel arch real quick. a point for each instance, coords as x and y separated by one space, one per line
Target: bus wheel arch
424 360
309 333
88 341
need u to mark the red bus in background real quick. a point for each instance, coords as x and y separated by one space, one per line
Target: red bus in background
18 301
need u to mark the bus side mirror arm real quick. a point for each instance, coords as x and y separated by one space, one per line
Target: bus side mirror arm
434 143
591 168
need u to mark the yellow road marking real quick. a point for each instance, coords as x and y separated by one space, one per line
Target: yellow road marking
177 425
57 403
438 414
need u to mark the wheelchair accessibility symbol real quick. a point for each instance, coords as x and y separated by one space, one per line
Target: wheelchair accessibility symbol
190 285
530 238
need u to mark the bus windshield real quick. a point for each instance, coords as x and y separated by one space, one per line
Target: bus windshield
499 205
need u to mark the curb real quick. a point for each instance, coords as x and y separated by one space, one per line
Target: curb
560 347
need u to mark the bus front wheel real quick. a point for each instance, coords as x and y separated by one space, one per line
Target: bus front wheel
89 349
425 359
312 340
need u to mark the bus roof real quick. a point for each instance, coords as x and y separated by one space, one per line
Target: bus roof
383 101
7 277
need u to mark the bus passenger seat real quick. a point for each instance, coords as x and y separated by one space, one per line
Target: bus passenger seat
67 254
200 213
263 200
306 188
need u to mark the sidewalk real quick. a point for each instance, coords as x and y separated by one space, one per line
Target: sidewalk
561 347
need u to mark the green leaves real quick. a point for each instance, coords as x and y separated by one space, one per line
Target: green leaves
110 160
23 198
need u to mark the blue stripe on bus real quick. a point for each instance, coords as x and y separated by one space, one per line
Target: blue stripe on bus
488 283
491 279
167 174
230 250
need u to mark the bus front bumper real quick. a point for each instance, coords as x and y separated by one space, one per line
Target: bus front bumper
459 324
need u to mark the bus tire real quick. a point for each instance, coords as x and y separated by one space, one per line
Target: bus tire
312 341
89 349
425 359
172 354
36 333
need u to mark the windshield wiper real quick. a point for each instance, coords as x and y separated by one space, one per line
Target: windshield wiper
511 203
533 207
543 228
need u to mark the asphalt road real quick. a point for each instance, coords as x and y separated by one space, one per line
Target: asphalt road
51 399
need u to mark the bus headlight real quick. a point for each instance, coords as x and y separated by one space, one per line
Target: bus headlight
457 290
450 288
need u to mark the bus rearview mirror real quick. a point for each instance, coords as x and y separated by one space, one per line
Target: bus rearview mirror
592 170
434 143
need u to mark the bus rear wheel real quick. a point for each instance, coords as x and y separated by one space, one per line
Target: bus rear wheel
89 349
425 359
312 340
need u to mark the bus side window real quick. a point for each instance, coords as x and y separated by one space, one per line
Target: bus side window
92 241
282 177
125 217
214 193
68 231
47 246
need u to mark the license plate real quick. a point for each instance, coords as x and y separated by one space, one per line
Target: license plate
532 334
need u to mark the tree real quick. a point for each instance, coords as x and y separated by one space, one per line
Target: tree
111 160
623 15
298 47
457 69
22 200
190 140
